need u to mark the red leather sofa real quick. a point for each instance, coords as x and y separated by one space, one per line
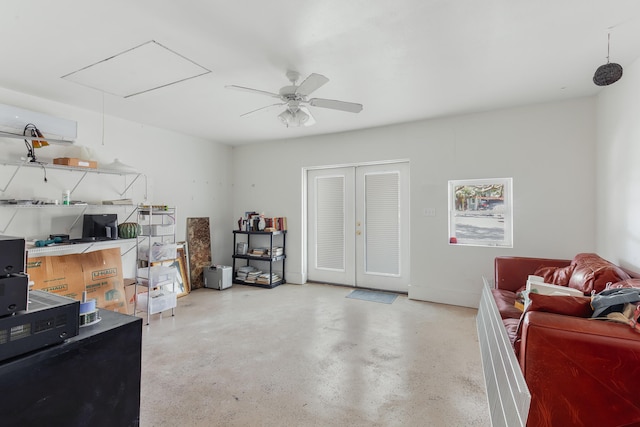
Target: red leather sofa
579 371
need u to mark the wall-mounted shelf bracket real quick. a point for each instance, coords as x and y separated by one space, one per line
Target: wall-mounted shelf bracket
84 172
15 172
4 230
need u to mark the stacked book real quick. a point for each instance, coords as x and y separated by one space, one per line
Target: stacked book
248 274
263 279
258 251
275 224
252 277
276 251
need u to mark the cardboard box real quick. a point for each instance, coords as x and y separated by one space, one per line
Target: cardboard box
57 274
75 162
129 289
99 273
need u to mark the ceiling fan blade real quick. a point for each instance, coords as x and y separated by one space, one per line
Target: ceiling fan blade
351 107
262 108
248 89
311 83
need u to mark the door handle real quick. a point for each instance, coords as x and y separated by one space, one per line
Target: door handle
358 232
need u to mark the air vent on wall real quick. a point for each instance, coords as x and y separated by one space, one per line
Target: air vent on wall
13 121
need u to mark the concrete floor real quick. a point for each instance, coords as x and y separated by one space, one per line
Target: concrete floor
304 355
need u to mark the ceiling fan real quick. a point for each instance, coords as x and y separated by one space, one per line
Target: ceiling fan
294 97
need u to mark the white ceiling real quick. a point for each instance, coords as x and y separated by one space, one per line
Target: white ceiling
404 60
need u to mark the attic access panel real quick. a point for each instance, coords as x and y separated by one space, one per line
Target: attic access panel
140 69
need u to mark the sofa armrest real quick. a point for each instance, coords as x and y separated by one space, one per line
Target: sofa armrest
580 371
511 272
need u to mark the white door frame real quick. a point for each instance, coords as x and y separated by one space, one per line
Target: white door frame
305 196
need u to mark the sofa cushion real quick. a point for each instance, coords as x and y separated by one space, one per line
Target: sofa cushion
512 326
627 283
560 304
592 273
505 300
556 275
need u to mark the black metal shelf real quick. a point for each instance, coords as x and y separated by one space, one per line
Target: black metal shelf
250 258
259 285
260 258
275 233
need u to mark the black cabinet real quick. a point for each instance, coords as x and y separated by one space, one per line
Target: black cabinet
255 255
92 379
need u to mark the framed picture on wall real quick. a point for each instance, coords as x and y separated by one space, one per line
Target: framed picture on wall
481 212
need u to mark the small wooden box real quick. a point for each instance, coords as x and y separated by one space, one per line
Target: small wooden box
75 162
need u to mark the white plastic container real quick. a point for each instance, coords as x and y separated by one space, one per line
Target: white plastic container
217 277
158 300
159 252
157 230
159 275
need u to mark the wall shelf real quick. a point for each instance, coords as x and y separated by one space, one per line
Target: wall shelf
79 247
80 208
82 171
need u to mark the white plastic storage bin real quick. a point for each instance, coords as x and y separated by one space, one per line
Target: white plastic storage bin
157 230
159 275
158 300
217 277
159 252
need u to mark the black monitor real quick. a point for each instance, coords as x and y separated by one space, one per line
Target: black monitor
100 226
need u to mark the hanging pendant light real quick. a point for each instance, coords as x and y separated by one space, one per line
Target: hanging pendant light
608 73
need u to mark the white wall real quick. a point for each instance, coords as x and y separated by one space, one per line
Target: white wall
548 149
618 167
192 174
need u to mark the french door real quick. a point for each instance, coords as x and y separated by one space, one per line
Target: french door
358 226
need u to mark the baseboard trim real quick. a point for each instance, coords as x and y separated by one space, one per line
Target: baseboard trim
444 296
296 278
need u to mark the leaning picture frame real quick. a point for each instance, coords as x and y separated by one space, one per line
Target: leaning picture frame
182 278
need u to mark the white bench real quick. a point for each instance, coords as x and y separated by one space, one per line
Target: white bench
507 391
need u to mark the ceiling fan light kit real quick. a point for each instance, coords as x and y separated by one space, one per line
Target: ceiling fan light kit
608 73
293 118
294 97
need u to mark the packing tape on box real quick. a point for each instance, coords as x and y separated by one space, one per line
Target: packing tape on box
88 306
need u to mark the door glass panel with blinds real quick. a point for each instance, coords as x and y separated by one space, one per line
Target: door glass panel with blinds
330 223
330 194
382 223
